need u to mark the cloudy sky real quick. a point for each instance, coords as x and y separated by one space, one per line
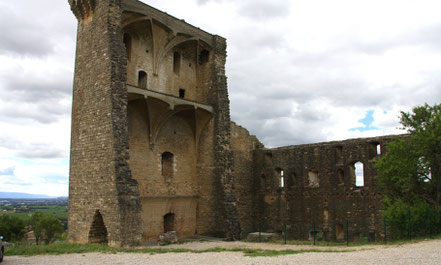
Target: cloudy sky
299 71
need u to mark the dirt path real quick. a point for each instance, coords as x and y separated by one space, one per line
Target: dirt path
425 252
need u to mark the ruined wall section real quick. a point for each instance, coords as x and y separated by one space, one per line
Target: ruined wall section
223 160
101 189
319 187
243 144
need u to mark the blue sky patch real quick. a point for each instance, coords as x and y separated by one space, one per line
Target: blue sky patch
7 171
367 121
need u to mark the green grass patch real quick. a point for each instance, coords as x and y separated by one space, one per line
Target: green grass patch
68 248
62 247
274 253
56 248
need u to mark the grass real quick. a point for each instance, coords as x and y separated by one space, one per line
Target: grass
68 248
62 247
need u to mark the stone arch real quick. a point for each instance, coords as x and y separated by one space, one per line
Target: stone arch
98 230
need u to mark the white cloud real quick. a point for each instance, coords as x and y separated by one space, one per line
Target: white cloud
298 72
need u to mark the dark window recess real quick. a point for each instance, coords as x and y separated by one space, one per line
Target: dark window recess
204 56
98 231
169 222
142 79
128 43
176 62
182 93
167 165
339 154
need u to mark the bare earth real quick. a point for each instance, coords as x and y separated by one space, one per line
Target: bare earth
425 252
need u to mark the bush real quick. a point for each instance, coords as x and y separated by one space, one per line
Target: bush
424 220
47 229
11 228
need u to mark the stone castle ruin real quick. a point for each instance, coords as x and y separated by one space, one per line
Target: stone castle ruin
153 148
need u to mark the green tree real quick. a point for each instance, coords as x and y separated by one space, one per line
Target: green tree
409 171
35 218
11 228
48 228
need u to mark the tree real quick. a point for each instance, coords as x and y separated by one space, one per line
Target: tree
36 216
11 228
409 172
47 228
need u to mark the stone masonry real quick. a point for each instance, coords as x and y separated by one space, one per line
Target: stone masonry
153 149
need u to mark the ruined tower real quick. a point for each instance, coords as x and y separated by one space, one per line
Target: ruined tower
150 148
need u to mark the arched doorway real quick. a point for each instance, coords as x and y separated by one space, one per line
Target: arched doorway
98 231
169 222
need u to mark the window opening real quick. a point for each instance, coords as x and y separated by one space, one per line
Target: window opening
357 173
176 62
128 43
167 165
182 93
313 179
339 154
204 56
142 79
374 150
98 231
279 174
282 180
169 222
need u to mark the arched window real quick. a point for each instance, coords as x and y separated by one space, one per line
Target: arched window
169 222
357 173
176 62
167 165
279 174
142 79
128 44
98 231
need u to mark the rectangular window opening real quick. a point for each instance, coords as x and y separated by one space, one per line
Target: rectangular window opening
182 93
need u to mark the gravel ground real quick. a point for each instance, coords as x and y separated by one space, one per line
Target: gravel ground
425 252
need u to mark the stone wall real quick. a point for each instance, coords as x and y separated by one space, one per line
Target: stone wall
153 147
100 180
245 186
150 101
319 187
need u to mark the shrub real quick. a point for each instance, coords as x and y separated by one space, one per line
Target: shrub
11 228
